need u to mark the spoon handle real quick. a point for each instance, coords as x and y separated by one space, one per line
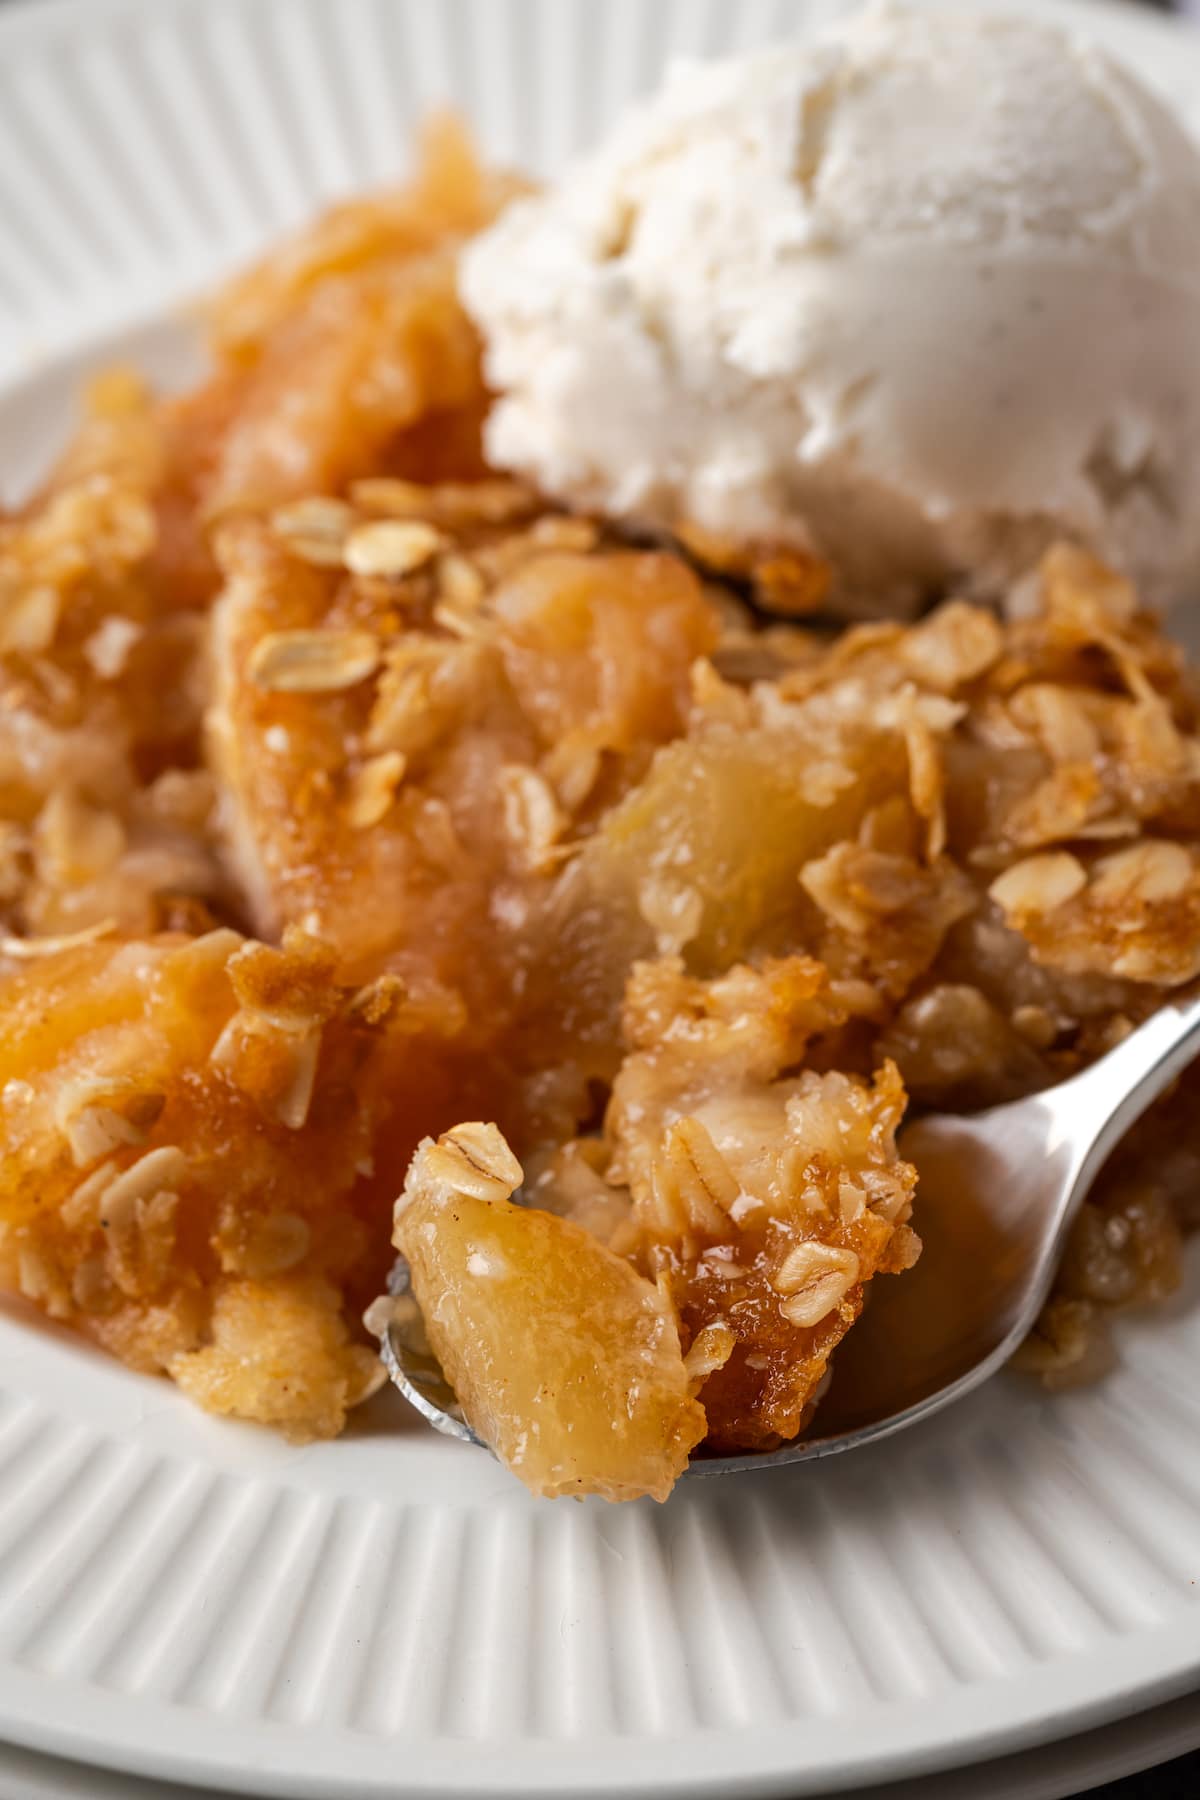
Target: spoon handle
1096 1108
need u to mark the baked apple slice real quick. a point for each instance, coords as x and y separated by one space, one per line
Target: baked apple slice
565 1359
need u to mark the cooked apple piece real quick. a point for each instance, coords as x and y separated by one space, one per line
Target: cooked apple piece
565 1360
703 858
767 1200
599 649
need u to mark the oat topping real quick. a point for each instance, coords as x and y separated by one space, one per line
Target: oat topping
314 529
1039 884
1146 872
459 582
533 818
29 949
313 662
373 788
390 548
471 1159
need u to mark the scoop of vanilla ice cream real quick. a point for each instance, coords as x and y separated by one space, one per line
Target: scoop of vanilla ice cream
922 295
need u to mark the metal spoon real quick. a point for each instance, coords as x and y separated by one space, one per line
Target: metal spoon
996 1198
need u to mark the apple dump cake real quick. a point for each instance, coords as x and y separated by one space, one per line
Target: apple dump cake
372 825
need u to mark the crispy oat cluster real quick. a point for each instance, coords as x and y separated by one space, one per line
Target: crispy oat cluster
349 794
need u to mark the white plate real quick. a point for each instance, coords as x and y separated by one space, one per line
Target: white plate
1070 1766
191 1599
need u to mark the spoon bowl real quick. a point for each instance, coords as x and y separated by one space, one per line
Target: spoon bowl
996 1198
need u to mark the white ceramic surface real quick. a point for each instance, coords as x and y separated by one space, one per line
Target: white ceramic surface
1070 1766
389 1613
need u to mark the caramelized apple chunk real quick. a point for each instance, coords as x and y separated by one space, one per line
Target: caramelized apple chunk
565 1360
705 857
